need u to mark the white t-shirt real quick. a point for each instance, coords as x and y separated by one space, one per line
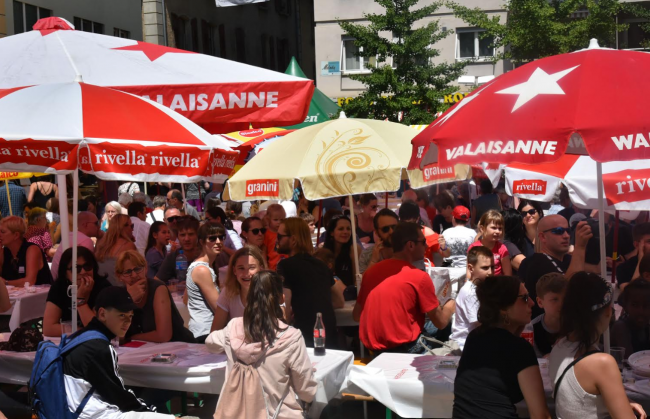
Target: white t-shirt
466 318
458 240
155 215
140 233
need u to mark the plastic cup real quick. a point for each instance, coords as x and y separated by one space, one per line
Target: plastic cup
66 328
619 355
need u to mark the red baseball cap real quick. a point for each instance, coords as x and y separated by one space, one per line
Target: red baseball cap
461 213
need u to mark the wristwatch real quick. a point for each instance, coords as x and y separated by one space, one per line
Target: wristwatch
81 302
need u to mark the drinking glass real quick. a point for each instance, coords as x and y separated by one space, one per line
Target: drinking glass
618 353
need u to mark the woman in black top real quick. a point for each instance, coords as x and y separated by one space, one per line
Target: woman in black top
514 237
498 368
21 261
339 241
157 319
40 192
89 284
532 213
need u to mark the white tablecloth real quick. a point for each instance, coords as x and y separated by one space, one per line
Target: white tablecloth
195 370
26 306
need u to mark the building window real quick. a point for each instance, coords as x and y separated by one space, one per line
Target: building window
222 41
470 44
352 59
182 32
26 15
88 25
121 33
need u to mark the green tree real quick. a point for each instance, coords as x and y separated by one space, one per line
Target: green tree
540 28
412 85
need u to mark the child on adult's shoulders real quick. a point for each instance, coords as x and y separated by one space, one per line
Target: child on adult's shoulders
546 327
491 232
632 330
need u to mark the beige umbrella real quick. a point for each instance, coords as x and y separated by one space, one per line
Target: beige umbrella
337 158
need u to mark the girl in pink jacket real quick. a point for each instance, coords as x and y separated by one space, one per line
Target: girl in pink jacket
261 348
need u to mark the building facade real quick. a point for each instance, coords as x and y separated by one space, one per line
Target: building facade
111 17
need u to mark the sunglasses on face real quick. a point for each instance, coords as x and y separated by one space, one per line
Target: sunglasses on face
524 297
281 236
128 225
174 218
386 229
221 237
129 272
558 231
257 231
530 212
86 267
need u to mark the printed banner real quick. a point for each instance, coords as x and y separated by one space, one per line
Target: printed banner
435 172
627 186
529 187
262 187
39 155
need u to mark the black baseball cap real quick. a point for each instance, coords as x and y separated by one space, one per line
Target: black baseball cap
115 297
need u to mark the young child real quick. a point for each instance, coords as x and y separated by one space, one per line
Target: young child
274 215
550 294
480 265
491 231
310 220
632 330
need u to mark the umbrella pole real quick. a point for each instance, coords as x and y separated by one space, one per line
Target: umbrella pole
354 243
75 209
63 210
601 233
145 188
615 246
320 221
386 198
8 197
184 203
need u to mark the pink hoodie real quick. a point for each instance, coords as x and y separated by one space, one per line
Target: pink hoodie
285 364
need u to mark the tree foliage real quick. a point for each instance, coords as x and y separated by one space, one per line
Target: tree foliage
412 85
540 28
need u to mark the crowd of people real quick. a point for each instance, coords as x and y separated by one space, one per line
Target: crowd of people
257 275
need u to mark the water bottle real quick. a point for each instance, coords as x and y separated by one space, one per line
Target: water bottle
181 266
319 336
529 334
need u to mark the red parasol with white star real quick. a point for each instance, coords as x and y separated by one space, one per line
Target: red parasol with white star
218 94
587 102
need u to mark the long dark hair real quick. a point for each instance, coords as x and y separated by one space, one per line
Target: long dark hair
263 312
585 292
494 294
218 212
538 207
151 241
513 228
344 255
82 252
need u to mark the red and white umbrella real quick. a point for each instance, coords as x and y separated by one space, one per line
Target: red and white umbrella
537 112
56 128
622 190
218 94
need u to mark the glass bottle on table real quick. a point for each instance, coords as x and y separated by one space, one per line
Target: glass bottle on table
319 336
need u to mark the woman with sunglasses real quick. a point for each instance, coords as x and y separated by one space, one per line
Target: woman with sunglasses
587 382
498 368
158 319
233 241
156 249
89 284
21 261
201 287
531 212
245 263
252 232
365 227
118 239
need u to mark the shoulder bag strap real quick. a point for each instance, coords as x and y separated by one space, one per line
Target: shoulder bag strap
559 381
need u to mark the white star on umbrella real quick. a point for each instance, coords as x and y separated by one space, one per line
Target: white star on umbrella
539 83
458 107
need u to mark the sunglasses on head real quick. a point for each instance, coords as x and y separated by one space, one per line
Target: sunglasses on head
257 231
529 212
558 230
86 267
221 237
386 229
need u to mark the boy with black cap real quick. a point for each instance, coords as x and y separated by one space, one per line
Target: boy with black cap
92 366
459 237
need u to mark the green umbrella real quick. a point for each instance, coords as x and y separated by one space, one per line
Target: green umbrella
321 108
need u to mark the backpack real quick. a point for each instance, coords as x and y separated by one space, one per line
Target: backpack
47 385
243 394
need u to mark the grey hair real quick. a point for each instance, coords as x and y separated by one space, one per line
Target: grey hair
115 205
125 199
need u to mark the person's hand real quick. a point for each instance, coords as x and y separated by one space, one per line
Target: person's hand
84 286
175 246
442 242
376 252
609 262
137 290
638 410
583 234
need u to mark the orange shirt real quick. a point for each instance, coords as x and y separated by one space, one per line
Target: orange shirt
432 243
274 257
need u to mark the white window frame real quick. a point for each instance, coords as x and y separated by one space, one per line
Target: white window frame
362 60
38 14
476 57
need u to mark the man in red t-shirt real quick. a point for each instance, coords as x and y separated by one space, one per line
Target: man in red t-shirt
410 212
394 312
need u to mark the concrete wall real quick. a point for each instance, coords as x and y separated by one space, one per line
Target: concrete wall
122 14
328 39
3 19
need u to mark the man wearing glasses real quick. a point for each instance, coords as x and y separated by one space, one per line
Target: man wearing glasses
393 314
554 236
384 223
88 228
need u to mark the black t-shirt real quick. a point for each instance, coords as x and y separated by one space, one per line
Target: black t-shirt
486 384
567 213
625 244
625 271
544 340
13 269
58 295
310 282
167 268
534 267
439 221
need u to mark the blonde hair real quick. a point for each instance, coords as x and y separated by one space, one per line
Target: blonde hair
492 216
113 234
233 288
132 256
34 215
298 229
14 223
